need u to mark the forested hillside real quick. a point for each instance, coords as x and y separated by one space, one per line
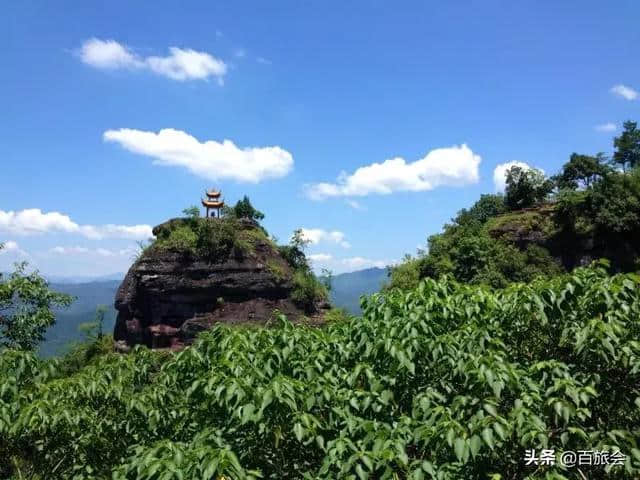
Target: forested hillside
542 226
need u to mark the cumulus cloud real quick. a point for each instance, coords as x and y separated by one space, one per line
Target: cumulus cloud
33 221
318 235
500 173
180 64
624 91
454 166
211 160
606 127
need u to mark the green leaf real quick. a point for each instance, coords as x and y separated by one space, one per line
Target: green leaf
487 436
460 448
474 445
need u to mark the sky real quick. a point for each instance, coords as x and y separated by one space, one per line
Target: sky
367 124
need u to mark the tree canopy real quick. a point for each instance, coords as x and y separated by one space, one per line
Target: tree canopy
525 187
445 381
627 153
26 308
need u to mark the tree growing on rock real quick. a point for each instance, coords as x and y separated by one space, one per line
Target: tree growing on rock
526 188
582 171
244 209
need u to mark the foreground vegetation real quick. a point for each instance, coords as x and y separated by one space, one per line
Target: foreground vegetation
444 381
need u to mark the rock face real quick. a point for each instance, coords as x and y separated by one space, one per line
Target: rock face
535 226
168 297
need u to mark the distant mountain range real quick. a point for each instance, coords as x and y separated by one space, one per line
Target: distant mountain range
346 292
347 288
87 298
86 279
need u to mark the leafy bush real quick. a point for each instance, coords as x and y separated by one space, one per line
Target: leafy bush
182 239
525 188
276 269
216 238
243 209
444 381
307 289
26 308
211 238
406 274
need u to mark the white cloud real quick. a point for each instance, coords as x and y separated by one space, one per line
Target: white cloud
320 257
606 127
625 92
108 54
317 235
33 221
8 246
456 165
355 205
500 173
210 159
180 64
342 265
358 263
12 249
101 252
240 52
187 64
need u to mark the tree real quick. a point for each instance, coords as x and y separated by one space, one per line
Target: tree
526 188
488 206
627 146
191 212
244 209
327 278
26 309
581 171
294 252
94 331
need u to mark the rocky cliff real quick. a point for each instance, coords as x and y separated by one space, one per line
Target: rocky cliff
175 289
571 247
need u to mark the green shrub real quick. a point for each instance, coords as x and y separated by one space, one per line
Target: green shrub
443 381
216 238
336 315
182 239
276 269
307 289
405 274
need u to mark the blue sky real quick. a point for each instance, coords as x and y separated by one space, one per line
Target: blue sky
107 108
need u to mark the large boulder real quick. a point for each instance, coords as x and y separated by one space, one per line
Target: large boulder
169 296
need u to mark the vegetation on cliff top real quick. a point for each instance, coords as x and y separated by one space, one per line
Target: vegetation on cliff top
443 381
539 226
239 234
